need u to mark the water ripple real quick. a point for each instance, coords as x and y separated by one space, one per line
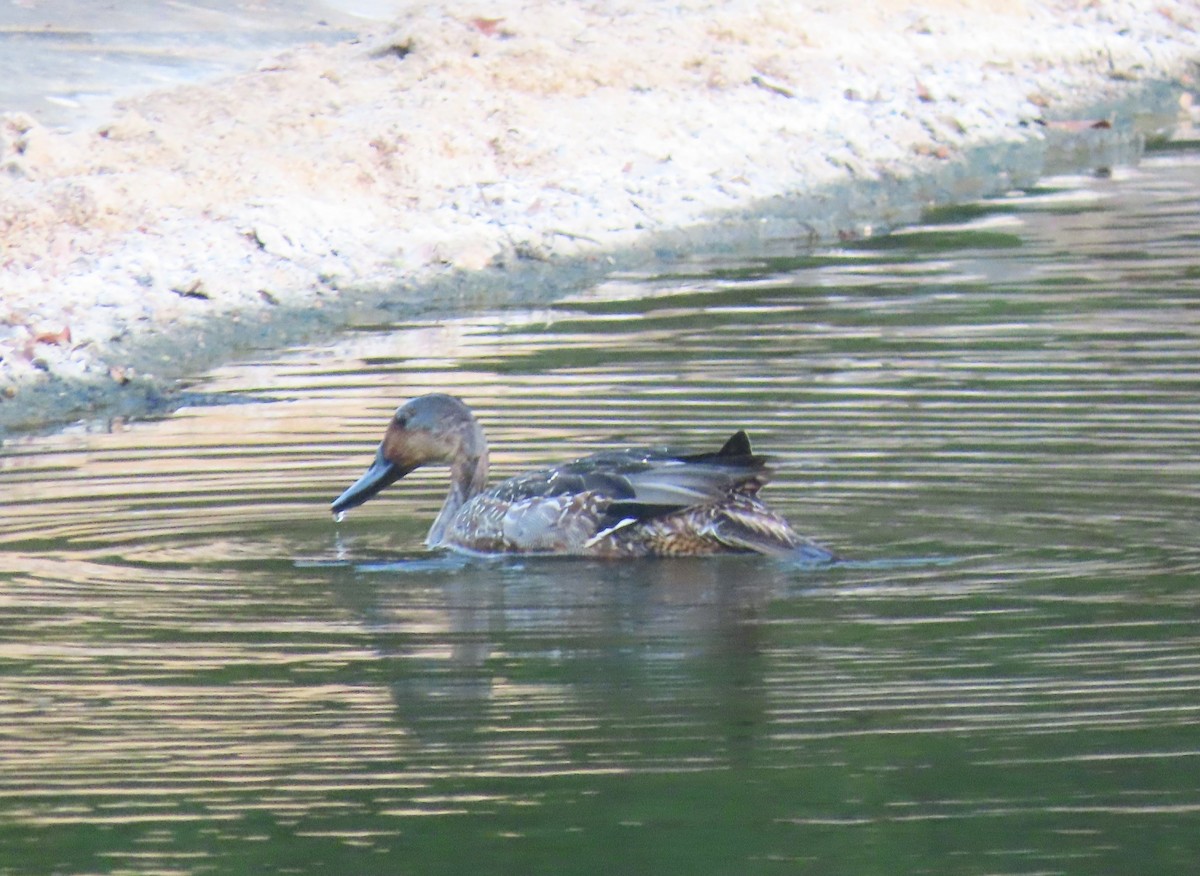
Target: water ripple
203 673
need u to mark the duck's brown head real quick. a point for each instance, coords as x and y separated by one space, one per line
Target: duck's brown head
430 428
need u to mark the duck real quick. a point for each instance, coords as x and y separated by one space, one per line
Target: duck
632 502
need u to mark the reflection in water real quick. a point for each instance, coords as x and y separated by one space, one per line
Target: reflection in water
994 414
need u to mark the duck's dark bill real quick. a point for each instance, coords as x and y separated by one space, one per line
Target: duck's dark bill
379 475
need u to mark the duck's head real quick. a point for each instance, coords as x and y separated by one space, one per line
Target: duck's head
431 428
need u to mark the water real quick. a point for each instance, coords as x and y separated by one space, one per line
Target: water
994 416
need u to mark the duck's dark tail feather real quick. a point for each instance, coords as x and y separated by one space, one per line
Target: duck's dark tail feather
734 452
737 445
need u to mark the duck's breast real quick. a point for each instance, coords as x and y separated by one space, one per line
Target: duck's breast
537 524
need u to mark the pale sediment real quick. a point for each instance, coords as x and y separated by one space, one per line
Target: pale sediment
468 157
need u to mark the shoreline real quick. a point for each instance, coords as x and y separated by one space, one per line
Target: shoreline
452 161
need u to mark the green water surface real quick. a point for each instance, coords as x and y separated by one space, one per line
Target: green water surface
993 416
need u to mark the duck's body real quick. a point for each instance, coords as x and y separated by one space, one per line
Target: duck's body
625 503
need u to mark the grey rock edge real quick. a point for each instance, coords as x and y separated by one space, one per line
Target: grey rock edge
114 315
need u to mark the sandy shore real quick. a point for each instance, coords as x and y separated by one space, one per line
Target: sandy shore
480 153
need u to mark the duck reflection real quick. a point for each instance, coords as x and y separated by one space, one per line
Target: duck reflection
566 664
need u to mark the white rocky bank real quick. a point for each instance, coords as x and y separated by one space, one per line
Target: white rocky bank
489 136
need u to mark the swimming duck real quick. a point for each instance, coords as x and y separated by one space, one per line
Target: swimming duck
618 503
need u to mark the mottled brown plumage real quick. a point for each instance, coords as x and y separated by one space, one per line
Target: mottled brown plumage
620 503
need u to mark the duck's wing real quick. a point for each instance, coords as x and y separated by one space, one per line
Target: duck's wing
642 481
672 482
